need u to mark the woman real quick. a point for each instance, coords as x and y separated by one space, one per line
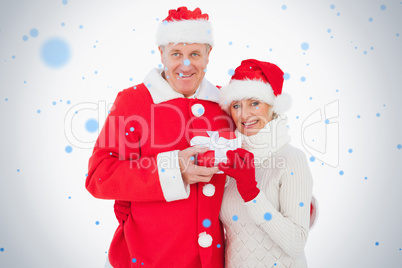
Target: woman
266 203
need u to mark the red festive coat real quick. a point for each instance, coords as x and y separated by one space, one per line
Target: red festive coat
135 159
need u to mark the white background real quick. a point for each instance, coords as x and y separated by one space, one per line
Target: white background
48 219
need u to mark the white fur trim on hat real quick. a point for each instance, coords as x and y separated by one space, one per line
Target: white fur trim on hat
185 31
250 89
282 103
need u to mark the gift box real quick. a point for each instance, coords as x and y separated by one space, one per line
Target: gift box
218 142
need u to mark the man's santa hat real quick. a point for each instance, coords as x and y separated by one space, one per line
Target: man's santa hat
185 26
259 80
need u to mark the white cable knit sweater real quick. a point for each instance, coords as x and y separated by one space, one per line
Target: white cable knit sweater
272 229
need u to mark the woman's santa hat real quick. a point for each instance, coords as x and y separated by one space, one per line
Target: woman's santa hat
259 80
185 26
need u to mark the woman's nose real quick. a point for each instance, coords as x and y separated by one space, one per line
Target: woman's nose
245 112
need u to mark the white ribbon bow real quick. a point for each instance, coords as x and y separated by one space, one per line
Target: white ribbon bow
219 145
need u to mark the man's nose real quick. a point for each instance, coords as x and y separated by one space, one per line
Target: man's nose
186 64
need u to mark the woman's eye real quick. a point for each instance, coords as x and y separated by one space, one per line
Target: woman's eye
235 106
255 103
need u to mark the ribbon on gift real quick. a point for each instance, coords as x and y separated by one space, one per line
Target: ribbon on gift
218 142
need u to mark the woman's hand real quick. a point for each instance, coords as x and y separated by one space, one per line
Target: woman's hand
240 166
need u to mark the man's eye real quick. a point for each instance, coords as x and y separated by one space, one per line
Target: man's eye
255 103
195 54
175 54
235 106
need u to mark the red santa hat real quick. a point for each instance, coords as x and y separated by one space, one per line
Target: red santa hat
255 79
185 26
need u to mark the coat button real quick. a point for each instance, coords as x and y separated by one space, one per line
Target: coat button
204 240
208 189
197 109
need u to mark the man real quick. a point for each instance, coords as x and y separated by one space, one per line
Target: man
143 155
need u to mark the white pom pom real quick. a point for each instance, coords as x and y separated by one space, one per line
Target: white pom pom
204 240
208 189
282 103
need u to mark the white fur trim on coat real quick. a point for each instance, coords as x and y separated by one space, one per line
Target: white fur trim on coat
253 89
161 91
185 31
172 184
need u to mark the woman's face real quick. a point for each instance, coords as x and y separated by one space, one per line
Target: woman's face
250 115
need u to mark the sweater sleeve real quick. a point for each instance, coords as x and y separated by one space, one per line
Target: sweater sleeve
117 170
289 225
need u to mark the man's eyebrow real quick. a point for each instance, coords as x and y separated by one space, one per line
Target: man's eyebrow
179 51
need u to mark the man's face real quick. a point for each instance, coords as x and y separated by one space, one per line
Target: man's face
185 66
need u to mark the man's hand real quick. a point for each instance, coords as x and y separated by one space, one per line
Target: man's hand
192 173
